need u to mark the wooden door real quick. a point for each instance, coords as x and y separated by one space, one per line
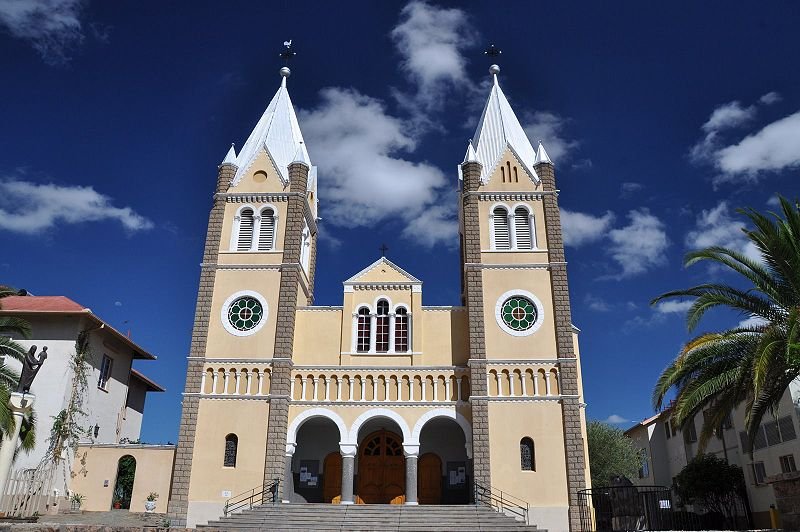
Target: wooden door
429 470
381 469
332 478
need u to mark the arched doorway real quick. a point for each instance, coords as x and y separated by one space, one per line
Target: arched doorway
381 468
123 486
315 475
430 479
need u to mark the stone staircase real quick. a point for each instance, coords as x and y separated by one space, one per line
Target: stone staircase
328 517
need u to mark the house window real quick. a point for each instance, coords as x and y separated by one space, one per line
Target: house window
401 330
522 226
526 454
266 235
246 224
105 372
231 448
644 468
759 473
382 327
690 434
363 330
787 464
501 233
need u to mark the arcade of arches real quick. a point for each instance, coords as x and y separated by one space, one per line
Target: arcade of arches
379 466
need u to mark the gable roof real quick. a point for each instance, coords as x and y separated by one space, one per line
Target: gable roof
62 306
498 130
278 133
383 261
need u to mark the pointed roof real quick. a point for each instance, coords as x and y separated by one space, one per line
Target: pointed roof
470 156
374 275
499 129
277 132
301 155
541 155
230 157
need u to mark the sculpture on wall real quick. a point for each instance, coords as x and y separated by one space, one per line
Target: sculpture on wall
30 367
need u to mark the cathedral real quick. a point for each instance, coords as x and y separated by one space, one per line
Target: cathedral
383 399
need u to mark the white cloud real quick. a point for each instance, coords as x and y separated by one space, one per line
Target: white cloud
716 227
673 307
729 115
32 208
752 321
616 419
628 189
580 228
436 224
53 27
367 179
431 40
549 128
117 303
638 246
596 303
770 98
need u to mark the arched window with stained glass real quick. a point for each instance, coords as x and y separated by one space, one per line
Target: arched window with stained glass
231 448
527 456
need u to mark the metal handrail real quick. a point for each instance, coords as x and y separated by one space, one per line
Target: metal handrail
258 495
501 501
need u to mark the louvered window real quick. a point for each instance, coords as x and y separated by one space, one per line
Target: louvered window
382 327
363 330
522 225
401 330
266 236
245 241
501 236
526 454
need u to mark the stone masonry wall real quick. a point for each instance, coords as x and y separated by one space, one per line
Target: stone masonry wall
179 495
473 289
573 437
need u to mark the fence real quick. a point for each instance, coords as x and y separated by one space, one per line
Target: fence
611 509
29 492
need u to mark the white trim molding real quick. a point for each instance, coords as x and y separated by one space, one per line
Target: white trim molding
305 415
498 312
448 413
233 297
378 413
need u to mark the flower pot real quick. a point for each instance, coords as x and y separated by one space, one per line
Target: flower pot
117 505
149 506
75 506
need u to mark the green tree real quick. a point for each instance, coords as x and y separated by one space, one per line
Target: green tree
611 453
712 483
11 327
752 363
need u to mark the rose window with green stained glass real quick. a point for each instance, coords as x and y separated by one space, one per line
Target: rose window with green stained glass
245 313
519 313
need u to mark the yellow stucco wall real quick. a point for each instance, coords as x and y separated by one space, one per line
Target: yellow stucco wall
94 474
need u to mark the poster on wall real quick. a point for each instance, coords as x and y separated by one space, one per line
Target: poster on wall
309 473
457 474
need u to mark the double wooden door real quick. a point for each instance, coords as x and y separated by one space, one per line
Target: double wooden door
381 469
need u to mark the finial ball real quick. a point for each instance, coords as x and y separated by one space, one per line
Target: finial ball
494 70
285 72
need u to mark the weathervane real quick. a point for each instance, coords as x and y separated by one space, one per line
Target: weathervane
493 51
288 53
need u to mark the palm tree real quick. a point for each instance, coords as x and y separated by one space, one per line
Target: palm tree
754 362
19 327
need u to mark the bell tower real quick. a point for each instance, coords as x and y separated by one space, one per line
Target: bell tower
258 267
514 287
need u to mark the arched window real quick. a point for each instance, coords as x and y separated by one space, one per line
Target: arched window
231 447
501 235
363 330
305 249
266 236
526 455
246 221
401 330
522 226
382 327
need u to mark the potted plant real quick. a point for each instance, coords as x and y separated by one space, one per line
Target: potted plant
76 501
150 503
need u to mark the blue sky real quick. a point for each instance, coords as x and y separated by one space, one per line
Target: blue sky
662 120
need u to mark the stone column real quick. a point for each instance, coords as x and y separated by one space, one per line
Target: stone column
570 406
411 453
20 404
348 452
179 494
288 476
473 299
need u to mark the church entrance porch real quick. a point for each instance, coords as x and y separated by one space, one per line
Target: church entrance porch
381 469
444 468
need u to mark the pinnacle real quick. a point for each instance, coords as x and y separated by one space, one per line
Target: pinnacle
230 157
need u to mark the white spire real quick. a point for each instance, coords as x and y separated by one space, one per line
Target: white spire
470 157
277 132
230 157
499 129
541 155
301 156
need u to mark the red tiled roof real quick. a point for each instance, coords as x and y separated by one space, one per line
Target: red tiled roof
40 304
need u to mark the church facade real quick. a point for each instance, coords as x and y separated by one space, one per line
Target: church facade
383 400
